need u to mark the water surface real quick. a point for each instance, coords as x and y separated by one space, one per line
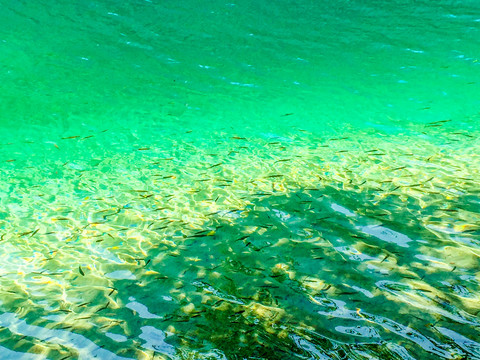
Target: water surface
239 180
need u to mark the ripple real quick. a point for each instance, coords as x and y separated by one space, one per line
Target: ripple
86 349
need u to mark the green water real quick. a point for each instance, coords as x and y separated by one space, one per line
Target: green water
248 180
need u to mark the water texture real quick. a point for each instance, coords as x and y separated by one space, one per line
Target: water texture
248 180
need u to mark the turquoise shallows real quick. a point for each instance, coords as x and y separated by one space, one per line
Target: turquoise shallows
243 180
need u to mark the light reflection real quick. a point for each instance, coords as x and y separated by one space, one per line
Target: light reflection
86 349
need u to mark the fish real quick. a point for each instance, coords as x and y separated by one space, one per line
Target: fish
81 271
464 231
274 176
66 327
439 122
459 133
111 292
103 308
282 160
196 236
210 167
64 310
341 138
423 290
160 228
346 293
358 236
26 233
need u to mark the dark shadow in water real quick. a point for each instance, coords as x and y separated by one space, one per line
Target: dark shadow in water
316 274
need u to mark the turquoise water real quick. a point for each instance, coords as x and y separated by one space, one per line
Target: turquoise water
240 180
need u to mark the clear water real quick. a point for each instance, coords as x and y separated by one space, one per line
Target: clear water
248 180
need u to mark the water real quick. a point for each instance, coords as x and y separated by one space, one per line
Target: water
239 180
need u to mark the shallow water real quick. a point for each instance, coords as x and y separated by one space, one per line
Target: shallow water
240 180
